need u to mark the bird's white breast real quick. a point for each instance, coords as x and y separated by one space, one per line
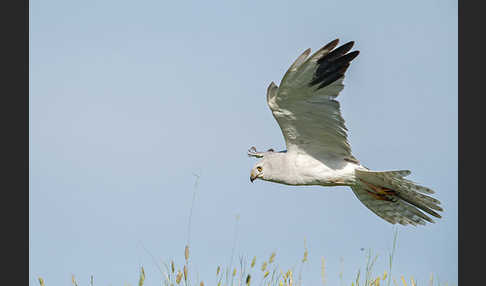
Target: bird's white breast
306 170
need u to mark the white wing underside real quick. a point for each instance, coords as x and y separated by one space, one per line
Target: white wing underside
308 114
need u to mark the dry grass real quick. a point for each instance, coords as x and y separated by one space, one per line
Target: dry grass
268 274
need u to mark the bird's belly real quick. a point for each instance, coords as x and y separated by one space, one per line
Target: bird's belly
321 174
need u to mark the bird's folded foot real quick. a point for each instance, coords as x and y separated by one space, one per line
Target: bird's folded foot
252 152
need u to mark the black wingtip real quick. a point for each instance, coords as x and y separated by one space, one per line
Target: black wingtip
348 45
334 42
331 45
333 65
342 50
351 56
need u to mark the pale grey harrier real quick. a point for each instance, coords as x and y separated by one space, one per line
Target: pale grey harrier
318 152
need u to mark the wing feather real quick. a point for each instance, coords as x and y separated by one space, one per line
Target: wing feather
305 107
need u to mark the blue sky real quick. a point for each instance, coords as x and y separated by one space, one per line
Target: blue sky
129 99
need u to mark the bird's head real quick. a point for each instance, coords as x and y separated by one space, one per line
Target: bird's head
263 168
257 172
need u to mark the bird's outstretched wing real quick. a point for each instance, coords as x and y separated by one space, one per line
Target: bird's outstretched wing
305 107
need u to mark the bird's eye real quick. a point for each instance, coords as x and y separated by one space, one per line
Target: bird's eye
259 169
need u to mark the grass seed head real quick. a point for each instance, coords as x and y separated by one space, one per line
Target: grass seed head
142 277
201 284
253 261
172 266
41 281
264 266
306 253
186 252
73 280
185 272
272 257
178 277
234 271
248 278
217 270
266 274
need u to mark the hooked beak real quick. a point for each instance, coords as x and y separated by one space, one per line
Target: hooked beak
252 176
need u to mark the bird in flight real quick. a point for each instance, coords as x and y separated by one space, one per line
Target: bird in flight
317 150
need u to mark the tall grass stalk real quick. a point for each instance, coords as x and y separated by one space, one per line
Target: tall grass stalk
154 260
196 182
391 256
304 259
237 218
186 250
323 271
341 260
369 266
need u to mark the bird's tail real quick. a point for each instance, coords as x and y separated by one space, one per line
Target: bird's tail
394 198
